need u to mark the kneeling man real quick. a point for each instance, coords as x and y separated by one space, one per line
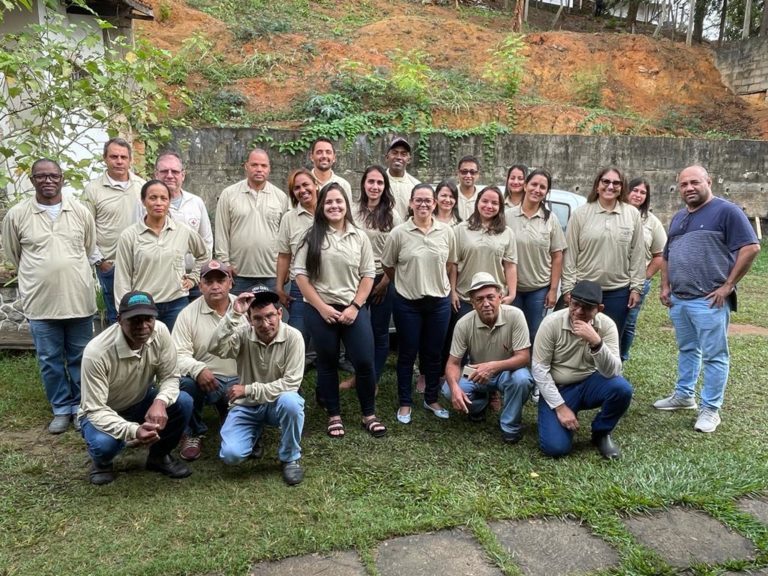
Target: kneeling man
576 365
495 337
130 391
270 365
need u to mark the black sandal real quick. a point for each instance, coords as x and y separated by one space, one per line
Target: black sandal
374 427
335 427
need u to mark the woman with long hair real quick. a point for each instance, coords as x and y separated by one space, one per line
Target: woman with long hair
419 256
515 185
151 255
447 204
540 246
654 238
334 269
605 245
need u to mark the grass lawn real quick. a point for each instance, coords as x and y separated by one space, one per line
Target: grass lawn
429 475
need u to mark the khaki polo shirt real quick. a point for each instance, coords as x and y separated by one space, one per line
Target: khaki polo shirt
401 189
347 257
655 237
51 256
266 370
377 237
247 223
113 208
536 239
352 196
191 335
489 344
606 247
114 378
480 251
420 259
466 205
293 228
156 264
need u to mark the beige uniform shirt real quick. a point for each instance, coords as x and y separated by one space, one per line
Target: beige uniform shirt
293 228
247 223
401 189
490 344
466 205
266 370
654 235
191 335
156 264
606 247
114 378
347 257
536 240
352 196
51 256
113 208
561 358
479 251
377 237
420 259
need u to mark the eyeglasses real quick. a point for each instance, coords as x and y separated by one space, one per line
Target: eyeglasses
169 171
467 171
43 177
607 182
422 201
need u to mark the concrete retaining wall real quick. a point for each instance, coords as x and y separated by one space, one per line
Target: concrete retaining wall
743 65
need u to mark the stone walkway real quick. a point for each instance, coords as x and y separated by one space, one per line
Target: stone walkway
681 537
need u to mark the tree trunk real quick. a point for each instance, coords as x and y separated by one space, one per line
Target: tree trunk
517 16
634 5
723 15
698 20
764 21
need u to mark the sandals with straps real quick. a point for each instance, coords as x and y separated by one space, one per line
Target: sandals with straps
335 427
374 427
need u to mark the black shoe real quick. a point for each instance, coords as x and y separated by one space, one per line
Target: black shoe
606 447
477 417
100 475
512 437
168 465
293 473
258 448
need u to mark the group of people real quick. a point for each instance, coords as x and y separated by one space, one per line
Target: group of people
227 316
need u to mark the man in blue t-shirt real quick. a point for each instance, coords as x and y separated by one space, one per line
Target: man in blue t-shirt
710 247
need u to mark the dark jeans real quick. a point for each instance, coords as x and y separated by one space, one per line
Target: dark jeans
630 326
532 305
102 448
167 312
107 282
196 426
615 302
358 341
464 309
296 310
381 314
421 328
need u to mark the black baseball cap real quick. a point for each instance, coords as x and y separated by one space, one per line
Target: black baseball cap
399 141
588 292
263 294
137 303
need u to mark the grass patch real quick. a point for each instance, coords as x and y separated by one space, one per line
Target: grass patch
428 476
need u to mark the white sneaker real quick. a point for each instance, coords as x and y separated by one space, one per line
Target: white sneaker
675 402
708 421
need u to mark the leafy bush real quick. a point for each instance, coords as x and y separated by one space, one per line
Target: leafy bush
506 67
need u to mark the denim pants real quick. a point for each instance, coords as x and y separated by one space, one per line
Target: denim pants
244 425
628 336
107 282
464 309
612 395
196 426
701 332
296 310
532 305
615 302
102 448
421 328
514 386
59 345
358 342
167 312
381 314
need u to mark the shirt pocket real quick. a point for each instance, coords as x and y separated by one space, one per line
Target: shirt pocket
624 234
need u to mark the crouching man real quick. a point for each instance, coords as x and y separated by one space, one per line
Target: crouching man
576 366
130 392
270 365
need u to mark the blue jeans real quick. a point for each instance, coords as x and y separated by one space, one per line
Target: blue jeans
532 305
515 388
107 282
615 302
612 395
421 328
628 336
358 342
464 309
167 312
381 314
196 426
244 283
296 311
59 345
702 336
245 423
102 448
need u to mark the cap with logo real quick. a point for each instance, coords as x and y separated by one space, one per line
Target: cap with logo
399 141
263 294
215 266
137 303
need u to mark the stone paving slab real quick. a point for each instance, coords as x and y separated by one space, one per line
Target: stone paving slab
336 564
683 537
761 572
756 507
445 553
554 547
